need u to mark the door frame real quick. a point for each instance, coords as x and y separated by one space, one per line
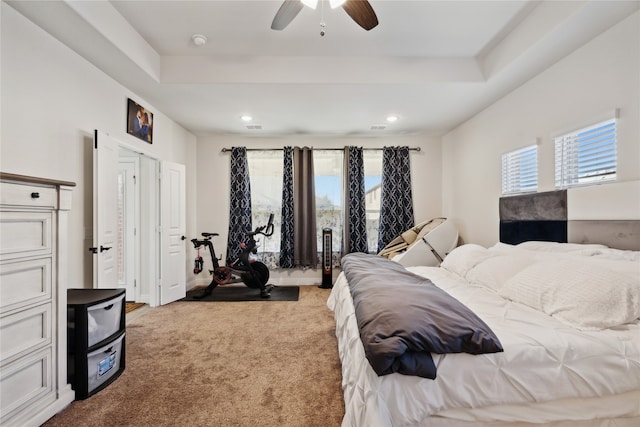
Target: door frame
150 203
148 244
131 247
149 231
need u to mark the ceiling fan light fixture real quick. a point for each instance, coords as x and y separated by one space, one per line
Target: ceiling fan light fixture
310 3
336 3
392 118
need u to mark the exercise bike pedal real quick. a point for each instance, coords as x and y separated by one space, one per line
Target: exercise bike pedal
266 292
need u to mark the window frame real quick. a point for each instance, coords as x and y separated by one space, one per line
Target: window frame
592 140
514 176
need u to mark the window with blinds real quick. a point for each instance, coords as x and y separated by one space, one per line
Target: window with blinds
520 170
586 156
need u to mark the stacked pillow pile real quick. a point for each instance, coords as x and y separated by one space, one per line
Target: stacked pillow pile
589 287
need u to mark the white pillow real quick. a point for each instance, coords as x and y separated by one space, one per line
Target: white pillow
559 247
464 258
503 247
618 254
577 292
627 262
495 271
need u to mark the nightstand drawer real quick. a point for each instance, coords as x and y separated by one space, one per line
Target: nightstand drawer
104 320
105 363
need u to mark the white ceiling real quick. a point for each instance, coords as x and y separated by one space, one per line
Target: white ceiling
432 63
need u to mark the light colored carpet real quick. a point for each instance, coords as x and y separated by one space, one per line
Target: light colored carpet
224 364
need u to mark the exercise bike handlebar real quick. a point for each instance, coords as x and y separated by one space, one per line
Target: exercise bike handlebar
197 243
268 229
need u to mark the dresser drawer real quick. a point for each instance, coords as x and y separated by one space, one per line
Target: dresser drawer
25 234
25 195
104 363
25 382
24 282
26 331
104 320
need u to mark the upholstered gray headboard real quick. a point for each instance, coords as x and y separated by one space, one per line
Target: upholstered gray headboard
606 214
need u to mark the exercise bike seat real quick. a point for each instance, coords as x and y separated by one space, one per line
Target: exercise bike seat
210 234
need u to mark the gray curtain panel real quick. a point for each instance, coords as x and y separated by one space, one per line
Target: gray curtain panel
396 202
286 229
355 210
239 204
305 252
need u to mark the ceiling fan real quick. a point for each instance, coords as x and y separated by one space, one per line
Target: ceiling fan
359 10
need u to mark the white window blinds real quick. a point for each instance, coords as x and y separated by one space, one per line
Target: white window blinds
586 156
520 170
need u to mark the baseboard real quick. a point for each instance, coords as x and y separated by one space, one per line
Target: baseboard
145 298
65 396
294 281
277 278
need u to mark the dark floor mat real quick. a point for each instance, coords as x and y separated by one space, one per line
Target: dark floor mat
243 293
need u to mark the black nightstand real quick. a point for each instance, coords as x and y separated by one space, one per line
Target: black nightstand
95 338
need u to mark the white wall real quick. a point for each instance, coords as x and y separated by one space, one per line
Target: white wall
213 182
581 89
52 100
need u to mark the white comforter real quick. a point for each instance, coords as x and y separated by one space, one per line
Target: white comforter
548 371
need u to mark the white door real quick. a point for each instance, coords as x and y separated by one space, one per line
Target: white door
173 227
128 238
105 215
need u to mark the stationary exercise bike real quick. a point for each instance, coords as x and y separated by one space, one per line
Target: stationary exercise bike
254 274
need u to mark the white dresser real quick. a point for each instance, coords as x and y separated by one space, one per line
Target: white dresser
33 298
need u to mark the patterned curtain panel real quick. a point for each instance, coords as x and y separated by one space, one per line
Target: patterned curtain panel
355 230
396 202
286 229
240 203
305 252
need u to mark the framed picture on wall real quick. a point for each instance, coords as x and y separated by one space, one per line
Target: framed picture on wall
139 121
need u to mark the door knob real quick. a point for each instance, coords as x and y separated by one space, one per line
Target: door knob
104 248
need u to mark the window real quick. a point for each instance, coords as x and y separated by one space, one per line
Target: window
328 181
586 156
520 170
265 172
373 191
329 178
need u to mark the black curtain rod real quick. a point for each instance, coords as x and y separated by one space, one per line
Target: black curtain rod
224 150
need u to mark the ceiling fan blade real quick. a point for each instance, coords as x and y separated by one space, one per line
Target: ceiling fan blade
361 12
286 13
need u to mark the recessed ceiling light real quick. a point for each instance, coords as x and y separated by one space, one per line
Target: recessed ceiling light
246 118
199 39
392 119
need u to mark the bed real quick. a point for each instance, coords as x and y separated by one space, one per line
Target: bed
555 338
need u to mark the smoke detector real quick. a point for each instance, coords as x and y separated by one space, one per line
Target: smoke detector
199 39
